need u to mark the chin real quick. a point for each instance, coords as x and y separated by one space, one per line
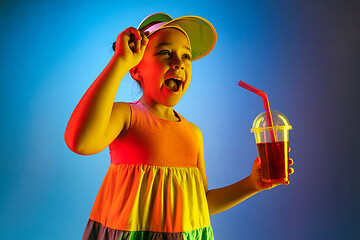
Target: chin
172 102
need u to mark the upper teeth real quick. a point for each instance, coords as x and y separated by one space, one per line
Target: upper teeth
177 79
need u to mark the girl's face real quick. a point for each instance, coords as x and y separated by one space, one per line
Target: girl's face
165 68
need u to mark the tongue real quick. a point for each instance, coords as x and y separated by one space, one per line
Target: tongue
171 84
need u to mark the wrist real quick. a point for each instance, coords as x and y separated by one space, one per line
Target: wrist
121 62
252 184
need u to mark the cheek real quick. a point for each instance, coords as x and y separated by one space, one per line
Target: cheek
188 81
153 73
188 71
154 68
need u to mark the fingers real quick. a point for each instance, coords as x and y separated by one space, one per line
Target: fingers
133 38
291 170
139 44
282 183
291 162
144 40
137 40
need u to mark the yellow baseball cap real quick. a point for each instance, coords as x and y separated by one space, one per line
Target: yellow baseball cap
200 32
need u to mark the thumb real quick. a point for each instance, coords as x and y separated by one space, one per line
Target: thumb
256 169
257 162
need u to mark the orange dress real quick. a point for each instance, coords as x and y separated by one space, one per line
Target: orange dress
153 188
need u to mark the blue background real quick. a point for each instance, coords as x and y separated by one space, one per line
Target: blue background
304 54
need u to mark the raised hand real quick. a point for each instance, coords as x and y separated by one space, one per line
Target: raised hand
130 46
256 176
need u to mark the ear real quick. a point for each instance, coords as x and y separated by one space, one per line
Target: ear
135 73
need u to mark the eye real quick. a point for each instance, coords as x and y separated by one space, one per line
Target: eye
164 52
187 56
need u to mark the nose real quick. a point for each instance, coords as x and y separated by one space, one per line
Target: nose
177 63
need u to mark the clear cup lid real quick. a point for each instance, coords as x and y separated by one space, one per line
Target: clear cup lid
279 120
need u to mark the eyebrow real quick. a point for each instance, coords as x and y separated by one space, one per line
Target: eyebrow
167 44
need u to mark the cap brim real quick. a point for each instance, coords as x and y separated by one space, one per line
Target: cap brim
153 18
201 33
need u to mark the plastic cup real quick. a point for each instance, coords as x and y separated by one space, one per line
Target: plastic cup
274 155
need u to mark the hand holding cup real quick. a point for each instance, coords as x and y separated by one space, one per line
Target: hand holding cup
256 176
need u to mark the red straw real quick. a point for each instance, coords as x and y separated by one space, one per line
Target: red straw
266 106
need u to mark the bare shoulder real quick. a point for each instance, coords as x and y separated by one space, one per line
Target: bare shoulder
200 160
196 130
122 104
120 118
122 107
122 112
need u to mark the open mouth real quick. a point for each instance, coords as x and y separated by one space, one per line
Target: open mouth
173 84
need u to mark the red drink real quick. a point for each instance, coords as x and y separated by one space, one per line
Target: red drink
274 161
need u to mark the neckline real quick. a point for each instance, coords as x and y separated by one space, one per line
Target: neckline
165 120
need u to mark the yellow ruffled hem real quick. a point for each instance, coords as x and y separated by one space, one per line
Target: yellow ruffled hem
135 197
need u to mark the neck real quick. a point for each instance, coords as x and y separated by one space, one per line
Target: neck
159 110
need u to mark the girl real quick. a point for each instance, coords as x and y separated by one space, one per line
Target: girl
156 186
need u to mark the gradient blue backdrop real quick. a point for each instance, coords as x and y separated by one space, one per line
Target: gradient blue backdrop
304 54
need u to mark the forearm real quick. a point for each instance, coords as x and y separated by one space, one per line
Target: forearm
90 118
221 199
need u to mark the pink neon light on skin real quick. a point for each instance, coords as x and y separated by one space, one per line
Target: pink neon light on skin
266 105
